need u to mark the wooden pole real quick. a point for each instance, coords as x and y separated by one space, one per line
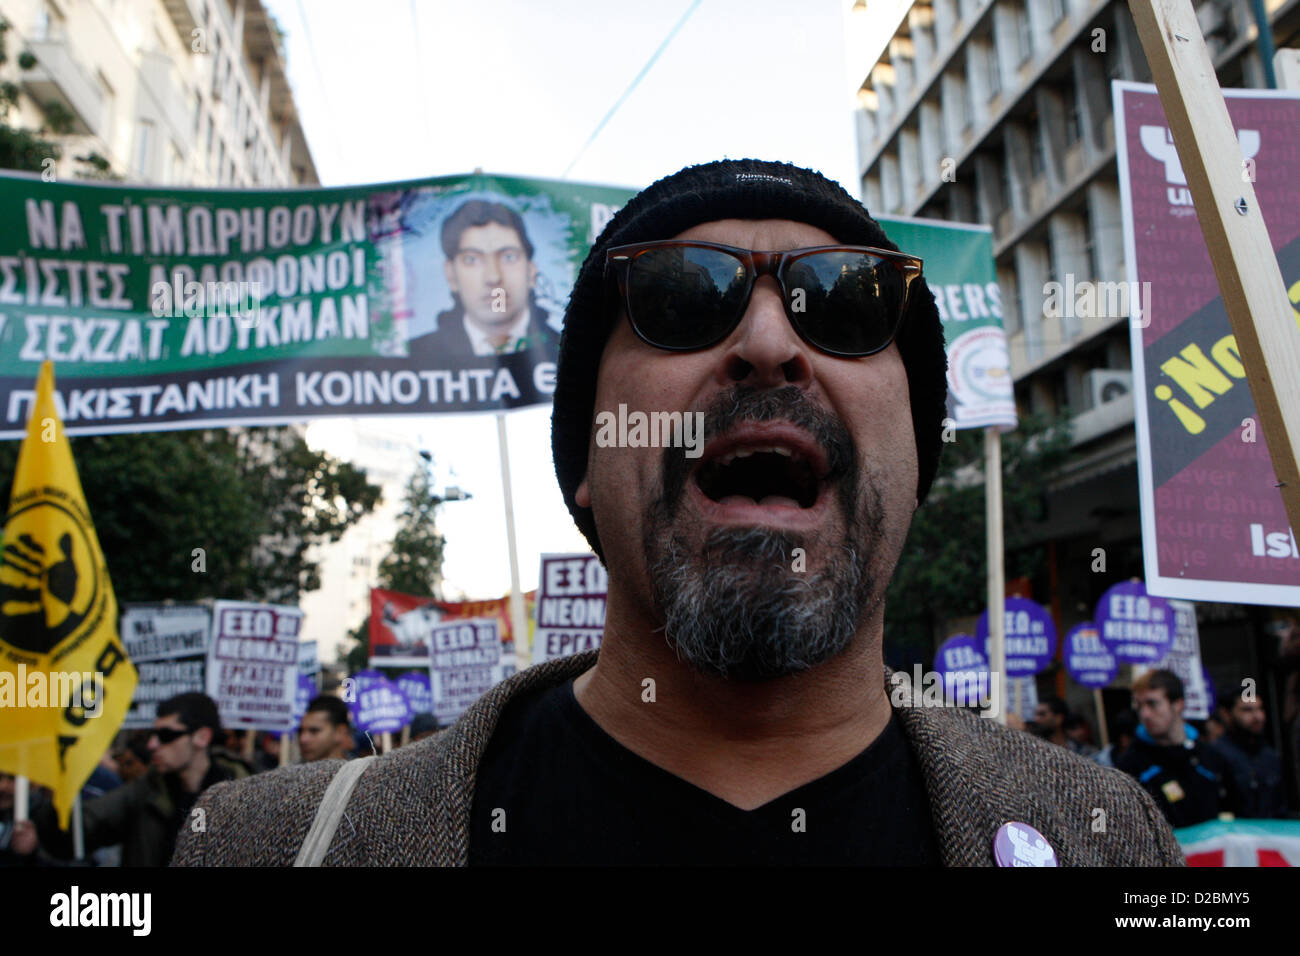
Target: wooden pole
1245 264
518 622
996 573
284 748
387 741
1102 730
78 830
22 791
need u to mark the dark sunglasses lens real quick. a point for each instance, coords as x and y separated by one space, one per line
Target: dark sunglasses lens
851 302
167 734
683 297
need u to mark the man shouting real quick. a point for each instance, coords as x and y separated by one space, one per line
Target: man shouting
739 710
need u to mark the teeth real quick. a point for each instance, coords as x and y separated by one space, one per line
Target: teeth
781 450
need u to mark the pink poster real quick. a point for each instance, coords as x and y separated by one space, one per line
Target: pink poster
1213 524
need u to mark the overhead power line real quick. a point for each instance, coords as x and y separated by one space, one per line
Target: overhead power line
633 85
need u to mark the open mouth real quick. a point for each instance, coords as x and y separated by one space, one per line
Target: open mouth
751 470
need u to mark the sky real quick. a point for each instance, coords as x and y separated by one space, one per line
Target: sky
419 88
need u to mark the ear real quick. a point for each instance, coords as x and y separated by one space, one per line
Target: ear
583 494
450 273
203 737
532 273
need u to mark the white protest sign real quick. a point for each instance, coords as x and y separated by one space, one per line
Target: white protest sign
168 644
1184 659
570 606
253 664
464 661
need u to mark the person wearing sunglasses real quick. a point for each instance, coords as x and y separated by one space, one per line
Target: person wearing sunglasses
145 815
738 710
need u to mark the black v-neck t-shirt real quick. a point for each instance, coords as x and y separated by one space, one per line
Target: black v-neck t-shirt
554 788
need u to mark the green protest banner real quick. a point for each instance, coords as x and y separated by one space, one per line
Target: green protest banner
185 308
959 270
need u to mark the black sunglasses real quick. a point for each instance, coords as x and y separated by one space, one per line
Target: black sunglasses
166 735
682 295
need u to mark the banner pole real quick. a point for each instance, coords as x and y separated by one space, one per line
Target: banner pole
996 573
1101 717
284 749
518 625
21 794
78 831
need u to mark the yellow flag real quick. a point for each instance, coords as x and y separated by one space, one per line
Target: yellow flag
65 679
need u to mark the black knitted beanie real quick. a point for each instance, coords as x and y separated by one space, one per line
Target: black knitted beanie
730 189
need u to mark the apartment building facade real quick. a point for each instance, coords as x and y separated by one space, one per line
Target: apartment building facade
999 112
169 92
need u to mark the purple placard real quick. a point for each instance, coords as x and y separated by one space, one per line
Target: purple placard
418 690
380 707
1030 636
1135 626
305 692
965 670
1087 660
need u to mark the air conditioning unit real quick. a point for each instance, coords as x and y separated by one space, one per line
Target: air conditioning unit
1107 384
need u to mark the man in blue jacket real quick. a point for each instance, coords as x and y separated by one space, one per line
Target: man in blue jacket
1187 778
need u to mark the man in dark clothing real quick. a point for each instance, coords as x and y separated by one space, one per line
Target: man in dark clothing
1187 779
145 815
1255 767
738 710
491 274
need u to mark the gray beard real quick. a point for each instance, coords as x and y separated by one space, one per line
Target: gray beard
733 606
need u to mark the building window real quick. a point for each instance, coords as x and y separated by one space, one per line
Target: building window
994 70
142 158
1025 35
1037 158
1073 123
1056 11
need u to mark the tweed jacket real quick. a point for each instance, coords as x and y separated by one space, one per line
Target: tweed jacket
411 807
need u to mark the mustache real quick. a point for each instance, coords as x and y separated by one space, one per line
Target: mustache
746 403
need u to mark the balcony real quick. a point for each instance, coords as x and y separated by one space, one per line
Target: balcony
57 77
184 16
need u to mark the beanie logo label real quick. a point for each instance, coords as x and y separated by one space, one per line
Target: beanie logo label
744 177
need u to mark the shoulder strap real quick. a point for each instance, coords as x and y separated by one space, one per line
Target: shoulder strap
330 812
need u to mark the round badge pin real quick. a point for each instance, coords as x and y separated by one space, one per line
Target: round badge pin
1019 844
